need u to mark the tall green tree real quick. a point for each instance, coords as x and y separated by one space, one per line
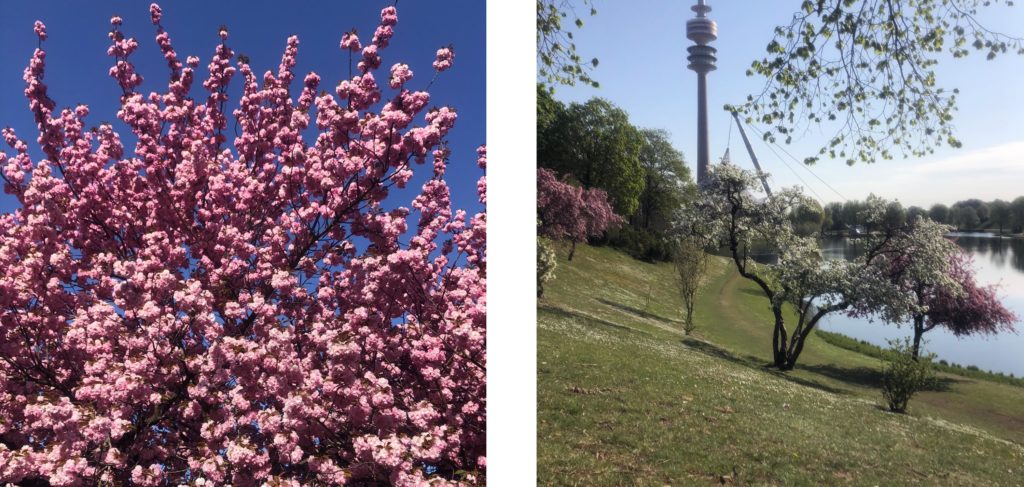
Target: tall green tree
667 183
595 144
916 212
1000 214
939 213
550 112
968 218
807 217
865 69
1017 214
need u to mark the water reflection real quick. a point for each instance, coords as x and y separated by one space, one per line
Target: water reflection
997 261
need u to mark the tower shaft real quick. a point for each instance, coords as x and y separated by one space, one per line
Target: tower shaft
703 157
702 31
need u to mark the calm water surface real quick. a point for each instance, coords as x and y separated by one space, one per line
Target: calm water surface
997 261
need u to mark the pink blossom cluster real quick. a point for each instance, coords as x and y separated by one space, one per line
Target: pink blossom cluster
260 312
570 212
445 58
976 309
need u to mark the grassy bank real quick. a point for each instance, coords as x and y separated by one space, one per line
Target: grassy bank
625 399
872 350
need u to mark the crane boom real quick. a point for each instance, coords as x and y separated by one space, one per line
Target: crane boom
750 150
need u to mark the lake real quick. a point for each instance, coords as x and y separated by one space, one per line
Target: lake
996 261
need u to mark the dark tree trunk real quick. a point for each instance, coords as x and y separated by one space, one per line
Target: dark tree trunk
780 339
803 330
918 332
572 251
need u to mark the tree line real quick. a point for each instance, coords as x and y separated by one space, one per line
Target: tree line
971 214
594 145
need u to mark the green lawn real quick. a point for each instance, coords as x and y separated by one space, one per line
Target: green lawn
625 399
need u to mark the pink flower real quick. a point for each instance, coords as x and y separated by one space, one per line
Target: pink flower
115 21
40 30
155 13
400 73
389 16
445 57
350 42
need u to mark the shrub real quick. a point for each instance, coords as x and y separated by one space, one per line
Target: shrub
903 376
640 244
546 264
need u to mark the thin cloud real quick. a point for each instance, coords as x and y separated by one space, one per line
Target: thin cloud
1003 157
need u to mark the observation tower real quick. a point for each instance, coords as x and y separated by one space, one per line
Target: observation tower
702 31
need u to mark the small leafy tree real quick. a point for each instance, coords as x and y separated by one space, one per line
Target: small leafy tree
546 264
568 212
904 375
691 262
808 218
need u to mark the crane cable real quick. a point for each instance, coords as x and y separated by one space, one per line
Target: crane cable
797 161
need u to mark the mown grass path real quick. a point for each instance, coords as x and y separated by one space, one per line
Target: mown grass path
625 399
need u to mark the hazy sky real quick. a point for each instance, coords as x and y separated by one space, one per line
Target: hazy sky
642 50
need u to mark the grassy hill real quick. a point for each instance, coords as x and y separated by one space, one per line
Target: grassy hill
625 399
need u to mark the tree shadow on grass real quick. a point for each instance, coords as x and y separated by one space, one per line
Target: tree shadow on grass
571 314
869 377
637 312
756 363
787 375
706 348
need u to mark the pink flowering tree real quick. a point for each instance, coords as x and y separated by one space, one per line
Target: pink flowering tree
957 302
213 311
568 212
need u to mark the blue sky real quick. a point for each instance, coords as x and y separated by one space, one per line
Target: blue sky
77 62
642 44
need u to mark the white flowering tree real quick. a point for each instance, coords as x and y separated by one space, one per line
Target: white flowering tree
732 213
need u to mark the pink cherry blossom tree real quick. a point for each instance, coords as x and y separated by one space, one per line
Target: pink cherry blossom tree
260 311
568 212
961 306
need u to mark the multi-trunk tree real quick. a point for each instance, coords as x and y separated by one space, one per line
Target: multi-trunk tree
730 213
240 310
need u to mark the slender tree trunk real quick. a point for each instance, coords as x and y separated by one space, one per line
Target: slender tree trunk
918 332
688 326
572 251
